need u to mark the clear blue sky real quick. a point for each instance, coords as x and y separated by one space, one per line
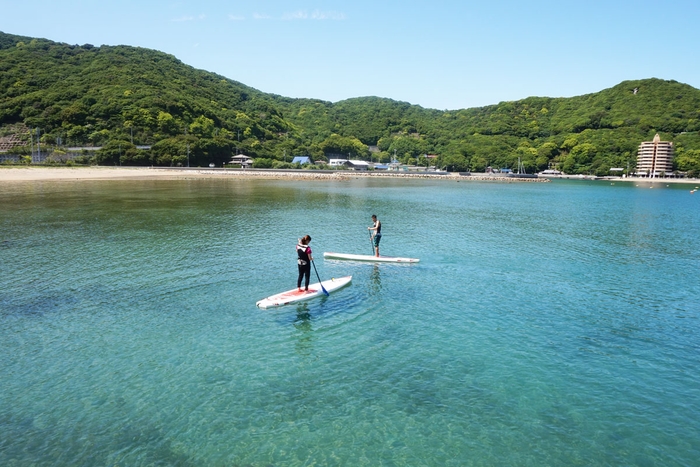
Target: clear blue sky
438 54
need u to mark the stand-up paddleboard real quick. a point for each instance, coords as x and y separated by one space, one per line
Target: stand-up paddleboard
370 258
294 295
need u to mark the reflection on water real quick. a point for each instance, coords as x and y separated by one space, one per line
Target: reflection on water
375 280
304 330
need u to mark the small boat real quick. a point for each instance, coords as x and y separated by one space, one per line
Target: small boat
369 258
292 296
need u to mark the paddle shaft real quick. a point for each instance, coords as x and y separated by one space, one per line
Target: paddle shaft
319 279
371 243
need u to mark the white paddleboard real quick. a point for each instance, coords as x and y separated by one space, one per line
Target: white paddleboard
294 295
371 258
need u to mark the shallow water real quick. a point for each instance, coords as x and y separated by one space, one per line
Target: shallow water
546 324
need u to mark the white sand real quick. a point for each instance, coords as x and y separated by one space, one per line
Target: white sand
81 173
24 174
148 173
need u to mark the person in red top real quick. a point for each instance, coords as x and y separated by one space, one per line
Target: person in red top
304 261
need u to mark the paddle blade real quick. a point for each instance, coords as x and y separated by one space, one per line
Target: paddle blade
319 279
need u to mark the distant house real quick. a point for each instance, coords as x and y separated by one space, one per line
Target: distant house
338 162
301 160
359 165
550 172
242 159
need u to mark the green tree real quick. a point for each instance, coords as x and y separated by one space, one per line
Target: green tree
478 164
455 163
202 127
548 150
583 154
262 163
688 161
336 144
407 146
167 123
113 152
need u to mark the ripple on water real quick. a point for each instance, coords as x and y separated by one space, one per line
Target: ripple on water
545 325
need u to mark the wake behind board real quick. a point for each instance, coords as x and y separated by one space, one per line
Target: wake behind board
370 258
292 296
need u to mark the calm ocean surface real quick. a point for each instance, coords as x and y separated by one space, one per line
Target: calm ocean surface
546 324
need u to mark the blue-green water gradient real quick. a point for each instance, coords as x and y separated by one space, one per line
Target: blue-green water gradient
546 324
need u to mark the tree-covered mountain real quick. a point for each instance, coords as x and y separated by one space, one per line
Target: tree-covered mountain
120 97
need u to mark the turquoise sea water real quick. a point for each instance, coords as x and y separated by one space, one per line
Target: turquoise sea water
546 324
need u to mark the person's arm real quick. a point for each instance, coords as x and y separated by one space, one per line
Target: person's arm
311 258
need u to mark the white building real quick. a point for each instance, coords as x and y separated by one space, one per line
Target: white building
358 164
655 157
354 164
242 159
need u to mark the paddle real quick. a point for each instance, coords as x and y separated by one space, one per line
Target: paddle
319 279
370 241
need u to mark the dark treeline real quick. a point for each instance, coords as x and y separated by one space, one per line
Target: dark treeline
119 98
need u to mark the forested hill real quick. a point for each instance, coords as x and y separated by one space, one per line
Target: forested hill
121 97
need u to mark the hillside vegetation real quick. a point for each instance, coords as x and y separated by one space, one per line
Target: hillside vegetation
120 97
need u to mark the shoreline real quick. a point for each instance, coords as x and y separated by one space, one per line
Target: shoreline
34 174
30 174
637 180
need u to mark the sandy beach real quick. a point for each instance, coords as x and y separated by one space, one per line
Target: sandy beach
19 174
10 174
24 174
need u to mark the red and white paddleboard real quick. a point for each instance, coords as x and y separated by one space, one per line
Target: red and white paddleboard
292 296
